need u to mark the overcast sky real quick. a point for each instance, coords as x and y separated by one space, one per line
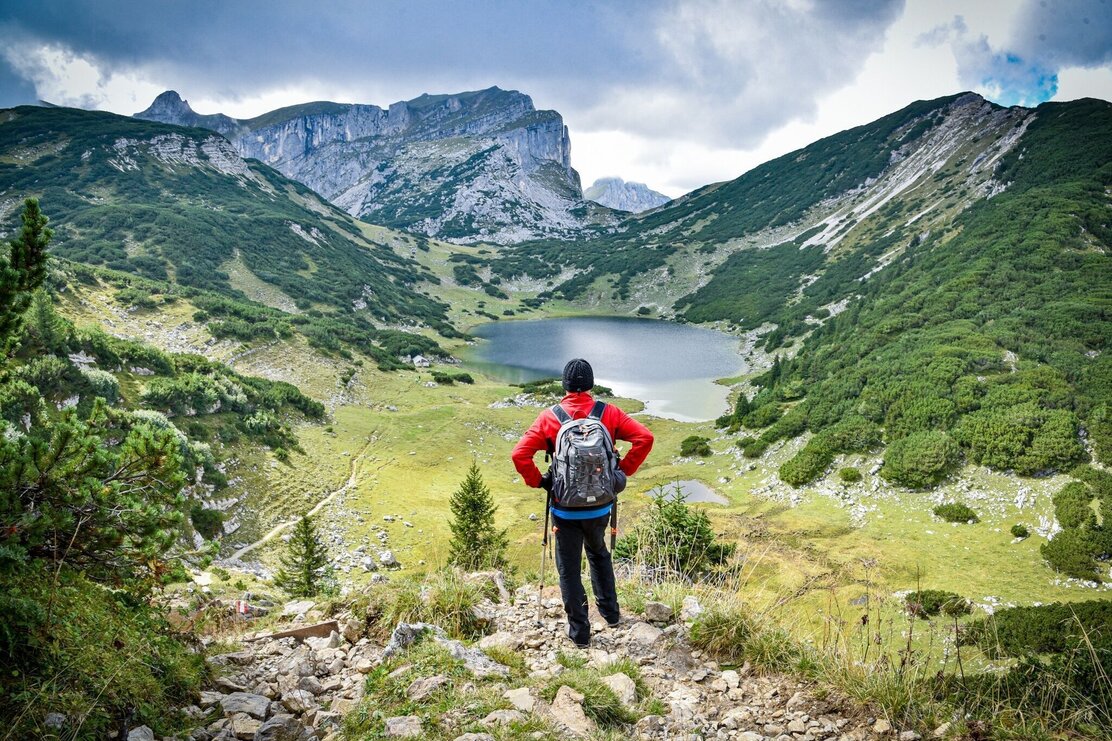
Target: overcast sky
673 93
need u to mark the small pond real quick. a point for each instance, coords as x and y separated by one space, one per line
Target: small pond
694 491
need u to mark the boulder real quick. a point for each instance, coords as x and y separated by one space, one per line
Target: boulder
389 561
298 607
244 726
659 613
521 698
142 733
567 711
421 688
690 609
351 630
208 699
299 701
310 684
283 727
256 706
502 639
623 687
403 726
644 635
503 718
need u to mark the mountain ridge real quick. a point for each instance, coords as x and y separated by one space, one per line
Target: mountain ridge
481 165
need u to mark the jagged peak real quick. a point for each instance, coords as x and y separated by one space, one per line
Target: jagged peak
167 102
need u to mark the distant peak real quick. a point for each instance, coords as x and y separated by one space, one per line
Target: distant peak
167 103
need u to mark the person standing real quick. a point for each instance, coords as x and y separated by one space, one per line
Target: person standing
582 527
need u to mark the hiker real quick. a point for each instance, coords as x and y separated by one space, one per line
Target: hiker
579 507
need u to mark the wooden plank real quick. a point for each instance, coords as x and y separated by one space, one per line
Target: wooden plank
319 630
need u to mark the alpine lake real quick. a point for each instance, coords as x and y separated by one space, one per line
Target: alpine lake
670 367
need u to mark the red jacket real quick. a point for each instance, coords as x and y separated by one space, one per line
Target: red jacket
578 404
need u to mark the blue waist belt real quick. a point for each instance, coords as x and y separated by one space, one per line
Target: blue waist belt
582 514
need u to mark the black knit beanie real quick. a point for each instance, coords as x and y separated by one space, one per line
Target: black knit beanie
578 375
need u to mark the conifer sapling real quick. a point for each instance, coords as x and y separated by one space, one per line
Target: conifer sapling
305 570
475 543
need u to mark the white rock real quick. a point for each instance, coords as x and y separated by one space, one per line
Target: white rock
644 635
567 711
690 609
142 733
521 698
623 687
403 726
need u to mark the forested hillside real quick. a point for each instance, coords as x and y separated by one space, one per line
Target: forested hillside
992 339
111 455
179 205
940 278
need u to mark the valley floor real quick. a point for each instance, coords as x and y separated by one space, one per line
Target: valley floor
381 470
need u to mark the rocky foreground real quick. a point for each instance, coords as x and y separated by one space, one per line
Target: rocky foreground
290 688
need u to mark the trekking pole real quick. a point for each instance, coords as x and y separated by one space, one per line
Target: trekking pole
544 556
613 524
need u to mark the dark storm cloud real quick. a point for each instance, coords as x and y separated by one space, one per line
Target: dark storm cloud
722 71
223 49
14 90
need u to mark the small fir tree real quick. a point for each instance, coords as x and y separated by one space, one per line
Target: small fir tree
305 569
476 543
22 270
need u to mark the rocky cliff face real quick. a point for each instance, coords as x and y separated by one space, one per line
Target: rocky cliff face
618 194
482 165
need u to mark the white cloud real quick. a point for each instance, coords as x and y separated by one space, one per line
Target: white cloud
64 78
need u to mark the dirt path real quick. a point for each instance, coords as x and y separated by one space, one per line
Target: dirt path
277 529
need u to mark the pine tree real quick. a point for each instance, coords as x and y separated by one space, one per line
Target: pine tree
22 270
305 569
475 544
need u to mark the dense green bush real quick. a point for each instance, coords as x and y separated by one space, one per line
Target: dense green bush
209 523
93 653
1020 531
1026 437
849 475
695 445
762 416
956 512
1044 629
851 435
1072 505
921 459
754 448
1073 552
806 465
928 602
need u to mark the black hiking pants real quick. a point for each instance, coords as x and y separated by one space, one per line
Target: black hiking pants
572 537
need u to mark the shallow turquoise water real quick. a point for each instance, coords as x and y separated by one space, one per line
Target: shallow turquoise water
670 367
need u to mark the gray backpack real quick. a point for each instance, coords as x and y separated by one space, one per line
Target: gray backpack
584 461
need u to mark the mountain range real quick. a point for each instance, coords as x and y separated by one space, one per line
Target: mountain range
827 255
473 166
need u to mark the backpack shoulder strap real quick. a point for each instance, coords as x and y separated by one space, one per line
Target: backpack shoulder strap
597 410
561 414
